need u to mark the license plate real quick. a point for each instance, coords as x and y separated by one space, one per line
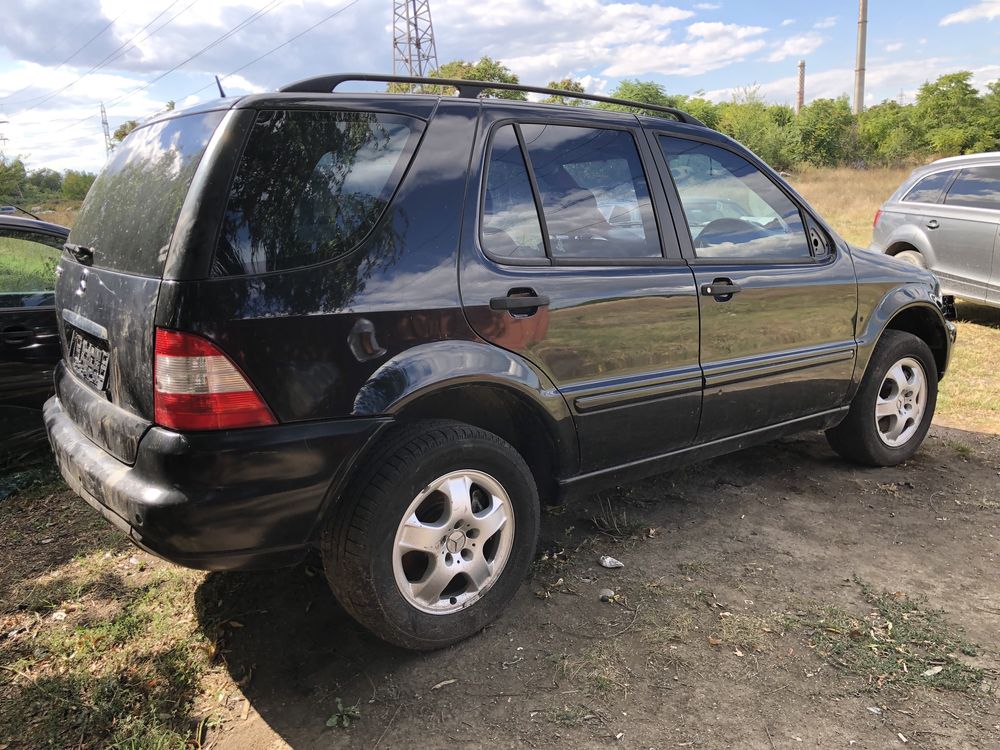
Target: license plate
89 360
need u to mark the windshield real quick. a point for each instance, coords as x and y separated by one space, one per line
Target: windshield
130 212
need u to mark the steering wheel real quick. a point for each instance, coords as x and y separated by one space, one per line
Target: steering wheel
729 230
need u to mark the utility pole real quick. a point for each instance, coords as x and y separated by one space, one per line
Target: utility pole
107 130
413 50
859 66
800 96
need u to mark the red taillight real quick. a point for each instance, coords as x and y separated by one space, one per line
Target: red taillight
197 387
878 215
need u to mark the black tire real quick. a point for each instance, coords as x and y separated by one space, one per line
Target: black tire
913 257
857 438
358 542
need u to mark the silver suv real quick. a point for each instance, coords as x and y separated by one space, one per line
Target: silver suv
945 217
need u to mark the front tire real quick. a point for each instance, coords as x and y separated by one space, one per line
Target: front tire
893 408
434 536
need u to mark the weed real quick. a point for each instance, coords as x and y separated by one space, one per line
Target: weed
899 642
344 716
602 668
613 521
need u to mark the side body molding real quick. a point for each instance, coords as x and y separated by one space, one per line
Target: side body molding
434 367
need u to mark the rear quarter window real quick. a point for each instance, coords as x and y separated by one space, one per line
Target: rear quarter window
928 189
310 186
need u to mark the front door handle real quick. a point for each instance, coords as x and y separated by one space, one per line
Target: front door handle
721 289
524 301
933 224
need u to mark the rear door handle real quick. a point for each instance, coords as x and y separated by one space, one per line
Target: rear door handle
933 224
524 300
17 336
721 289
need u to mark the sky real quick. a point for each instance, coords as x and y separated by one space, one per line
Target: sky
60 59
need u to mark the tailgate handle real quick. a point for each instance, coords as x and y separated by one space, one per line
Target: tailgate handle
17 336
525 301
84 324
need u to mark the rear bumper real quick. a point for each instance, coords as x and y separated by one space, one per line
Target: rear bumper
229 500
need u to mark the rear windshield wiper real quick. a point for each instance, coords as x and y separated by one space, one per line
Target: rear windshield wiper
83 254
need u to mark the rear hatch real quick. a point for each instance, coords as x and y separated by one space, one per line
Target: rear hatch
109 279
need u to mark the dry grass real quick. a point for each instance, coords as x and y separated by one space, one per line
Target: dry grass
848 198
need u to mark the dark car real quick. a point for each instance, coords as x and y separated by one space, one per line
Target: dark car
29 339
383 326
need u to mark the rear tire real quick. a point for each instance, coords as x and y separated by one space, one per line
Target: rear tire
913 257
434 537
893 408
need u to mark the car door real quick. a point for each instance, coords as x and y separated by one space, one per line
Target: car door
569 259
29 341
963 232
778 298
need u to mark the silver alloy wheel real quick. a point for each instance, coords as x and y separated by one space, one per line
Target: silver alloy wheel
453 542
902 398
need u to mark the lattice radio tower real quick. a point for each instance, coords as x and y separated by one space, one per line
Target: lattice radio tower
413 50
108 146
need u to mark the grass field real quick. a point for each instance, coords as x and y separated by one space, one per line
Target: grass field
26 266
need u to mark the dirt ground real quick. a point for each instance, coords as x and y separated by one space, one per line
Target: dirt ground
749 613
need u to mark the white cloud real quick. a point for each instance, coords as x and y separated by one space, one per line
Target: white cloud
826 23
708 6
986 10
894 47
788 22
708 46
796 46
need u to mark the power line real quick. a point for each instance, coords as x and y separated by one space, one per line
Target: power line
79 49
112 56
240 26
280 46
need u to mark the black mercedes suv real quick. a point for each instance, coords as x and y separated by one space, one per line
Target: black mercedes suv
386 326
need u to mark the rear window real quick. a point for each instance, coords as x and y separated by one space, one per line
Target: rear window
132 207
310 186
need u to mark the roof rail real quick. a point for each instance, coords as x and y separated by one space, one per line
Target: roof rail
473 90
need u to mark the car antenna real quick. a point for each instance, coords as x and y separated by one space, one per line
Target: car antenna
25 211
219 84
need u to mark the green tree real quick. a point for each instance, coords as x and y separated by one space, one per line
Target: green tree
45 180
13 178
76 184
646 92
824 130
123 130
760 127
566 84
888 134
486 69
955 115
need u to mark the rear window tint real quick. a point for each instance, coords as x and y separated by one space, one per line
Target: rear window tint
129 215
310 186
928 190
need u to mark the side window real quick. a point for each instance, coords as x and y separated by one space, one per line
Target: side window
928 190
510 226
310 186
978 187
733 210
593 190
27 268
